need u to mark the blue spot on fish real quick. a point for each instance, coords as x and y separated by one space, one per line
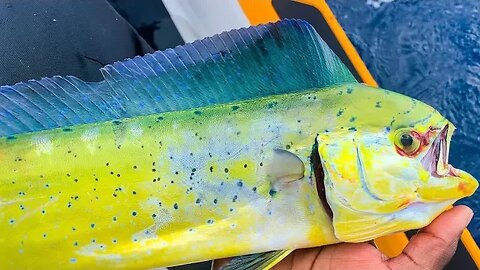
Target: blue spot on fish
272 104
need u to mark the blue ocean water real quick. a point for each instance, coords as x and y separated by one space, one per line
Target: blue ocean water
429 50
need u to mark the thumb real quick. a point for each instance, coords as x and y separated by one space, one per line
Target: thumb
433 247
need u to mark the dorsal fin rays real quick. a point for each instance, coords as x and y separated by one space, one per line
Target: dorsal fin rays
275 58
16 110
47 95
9 114
156 68
188 59
313 50
128 86
66 89
115 97
20 98
35 105
87 90
147 95
196 57
219 46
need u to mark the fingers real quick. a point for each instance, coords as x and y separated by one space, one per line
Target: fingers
299 259
356 256
433 247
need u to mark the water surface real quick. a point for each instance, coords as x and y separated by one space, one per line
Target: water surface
429 50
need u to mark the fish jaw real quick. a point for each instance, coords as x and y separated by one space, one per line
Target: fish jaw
455 184
445 181
356 226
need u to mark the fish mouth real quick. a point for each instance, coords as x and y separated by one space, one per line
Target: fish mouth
436 159
457 183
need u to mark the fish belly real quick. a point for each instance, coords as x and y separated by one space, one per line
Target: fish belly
158 190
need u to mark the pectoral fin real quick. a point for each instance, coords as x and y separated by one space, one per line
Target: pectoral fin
284 166
258 261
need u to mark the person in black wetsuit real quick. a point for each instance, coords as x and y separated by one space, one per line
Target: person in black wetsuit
69 37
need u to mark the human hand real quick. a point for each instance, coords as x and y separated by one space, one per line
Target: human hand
430 249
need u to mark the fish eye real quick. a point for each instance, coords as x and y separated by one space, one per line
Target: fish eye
406 142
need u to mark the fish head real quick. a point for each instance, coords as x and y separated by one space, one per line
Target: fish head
390 172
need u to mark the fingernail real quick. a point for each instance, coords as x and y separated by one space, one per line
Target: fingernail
467 213
470 215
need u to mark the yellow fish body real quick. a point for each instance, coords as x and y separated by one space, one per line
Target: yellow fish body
143 187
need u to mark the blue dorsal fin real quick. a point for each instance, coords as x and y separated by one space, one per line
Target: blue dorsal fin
247 63
55 102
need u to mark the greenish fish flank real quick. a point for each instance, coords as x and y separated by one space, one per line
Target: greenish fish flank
207 151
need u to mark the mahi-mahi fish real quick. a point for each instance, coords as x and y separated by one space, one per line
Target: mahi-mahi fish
254 141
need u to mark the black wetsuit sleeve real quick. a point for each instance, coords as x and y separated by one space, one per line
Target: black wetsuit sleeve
62 37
